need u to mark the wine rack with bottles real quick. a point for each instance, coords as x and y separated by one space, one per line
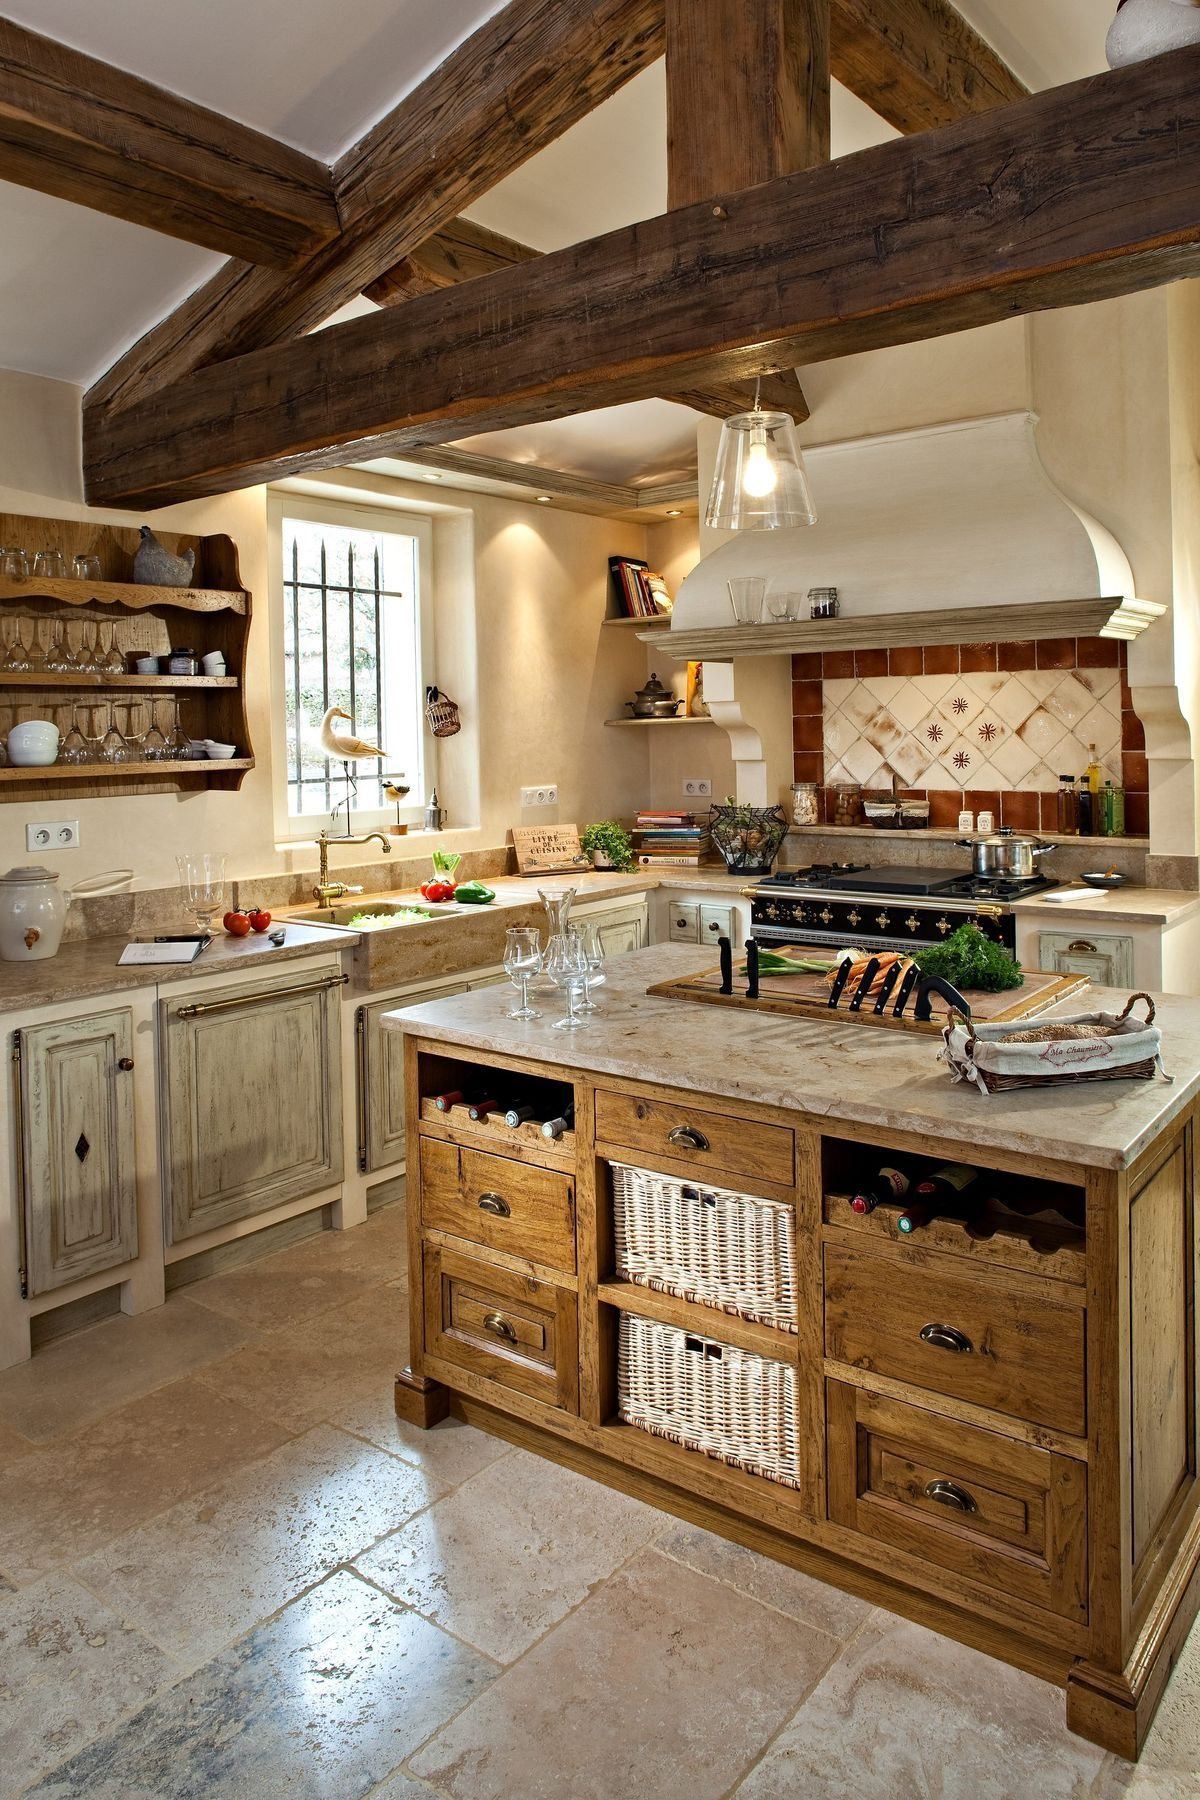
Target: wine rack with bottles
212 615
501 1106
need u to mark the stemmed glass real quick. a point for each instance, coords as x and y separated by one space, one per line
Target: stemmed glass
76 748
16 660
567 966
36 655
522 959
202 877
593 951
112 662
88 658
154 744
176 749
113 747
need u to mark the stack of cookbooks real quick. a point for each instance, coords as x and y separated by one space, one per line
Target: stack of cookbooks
679 839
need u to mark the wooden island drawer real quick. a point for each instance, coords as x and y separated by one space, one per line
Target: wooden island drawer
691 1134
511 1328
1007 1514
968 1336
495 1201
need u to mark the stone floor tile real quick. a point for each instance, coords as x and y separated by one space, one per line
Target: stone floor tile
275 1291
1169 1766
12 1445
403 1787
378 1250
93 1372
69 1669
451 1451
664 1684
320 1703
306 1372
511 1551
802 1597
905 1714
66 1499
202 1574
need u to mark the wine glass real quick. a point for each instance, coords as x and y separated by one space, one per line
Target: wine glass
88 657
154 744
566 965
177 743
16 658
202 876
133 737
112 662
113 747
522 958
593 951
75 746
36 655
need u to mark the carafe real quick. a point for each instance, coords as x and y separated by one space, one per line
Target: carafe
558 903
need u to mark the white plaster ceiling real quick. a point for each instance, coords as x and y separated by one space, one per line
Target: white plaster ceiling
76 287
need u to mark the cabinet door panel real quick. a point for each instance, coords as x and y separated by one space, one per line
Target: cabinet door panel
621 931
381 1076
1105 960
78 1151
252 1102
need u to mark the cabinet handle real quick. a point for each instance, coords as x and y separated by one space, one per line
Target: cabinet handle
1081 947
946 1337
688 1136
304 987
125 1063
494 1203
948 1493
499 1327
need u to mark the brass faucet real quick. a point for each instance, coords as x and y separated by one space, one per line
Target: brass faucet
327 891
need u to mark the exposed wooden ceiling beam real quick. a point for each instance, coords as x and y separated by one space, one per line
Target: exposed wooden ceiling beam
917 63
464 250
78 128
1073 195
514 86
747 93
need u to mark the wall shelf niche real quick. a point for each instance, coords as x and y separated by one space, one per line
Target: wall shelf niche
214 614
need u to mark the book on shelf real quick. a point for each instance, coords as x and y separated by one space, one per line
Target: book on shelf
630 581
675 859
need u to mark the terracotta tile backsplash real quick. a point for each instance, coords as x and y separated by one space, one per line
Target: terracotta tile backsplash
1000 722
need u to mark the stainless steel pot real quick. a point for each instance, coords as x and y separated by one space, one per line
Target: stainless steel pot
1005 854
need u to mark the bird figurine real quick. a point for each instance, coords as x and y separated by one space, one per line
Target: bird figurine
345 749
1145 28
156 566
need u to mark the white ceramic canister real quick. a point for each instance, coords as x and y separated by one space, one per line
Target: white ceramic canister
33 909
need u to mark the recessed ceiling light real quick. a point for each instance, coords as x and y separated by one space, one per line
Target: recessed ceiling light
543 499
674 512
432 475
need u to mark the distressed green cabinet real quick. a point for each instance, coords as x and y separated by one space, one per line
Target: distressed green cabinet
381 1076
77 1148
1105 958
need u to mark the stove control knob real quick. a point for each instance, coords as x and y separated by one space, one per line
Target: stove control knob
943 926
854 918
912 921
883 920
825 916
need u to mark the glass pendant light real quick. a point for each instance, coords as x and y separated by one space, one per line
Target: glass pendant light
760 482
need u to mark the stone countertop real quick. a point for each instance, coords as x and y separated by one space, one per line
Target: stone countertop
1127 905
89 965
860 1073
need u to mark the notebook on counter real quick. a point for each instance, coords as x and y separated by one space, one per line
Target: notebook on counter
184 949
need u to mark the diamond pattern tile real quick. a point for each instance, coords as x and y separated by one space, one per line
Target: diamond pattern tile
1070 701
1014 702
1102 727
1014 759
1042 731
960 706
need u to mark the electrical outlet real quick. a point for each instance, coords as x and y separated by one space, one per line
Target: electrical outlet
55 834
698 790
546 795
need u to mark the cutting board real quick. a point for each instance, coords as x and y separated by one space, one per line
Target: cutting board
807 997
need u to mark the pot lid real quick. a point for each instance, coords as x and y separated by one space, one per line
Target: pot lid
654 690
29 872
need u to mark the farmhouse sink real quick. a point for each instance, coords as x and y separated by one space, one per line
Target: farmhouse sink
397 910
444 941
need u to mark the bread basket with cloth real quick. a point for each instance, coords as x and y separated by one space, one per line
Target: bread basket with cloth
1095 1046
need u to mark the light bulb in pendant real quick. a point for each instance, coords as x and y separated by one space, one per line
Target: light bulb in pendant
759 476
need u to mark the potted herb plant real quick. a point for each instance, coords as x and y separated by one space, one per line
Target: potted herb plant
608 845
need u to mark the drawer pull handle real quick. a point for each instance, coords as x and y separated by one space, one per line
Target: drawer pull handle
495 1203
689 1137
948 1493
946 1337
1081 947
499 1327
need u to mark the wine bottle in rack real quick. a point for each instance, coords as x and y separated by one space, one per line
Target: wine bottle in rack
517 1114
452 1097
556 1128
884 1186
479 1109
948 1185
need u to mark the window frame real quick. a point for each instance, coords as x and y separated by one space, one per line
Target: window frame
293 828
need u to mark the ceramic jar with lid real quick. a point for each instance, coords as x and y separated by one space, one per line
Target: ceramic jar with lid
654 701
33 908
183 661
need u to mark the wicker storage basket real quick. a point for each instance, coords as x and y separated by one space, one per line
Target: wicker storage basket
708 1244
441 713
730 1403
1086 1047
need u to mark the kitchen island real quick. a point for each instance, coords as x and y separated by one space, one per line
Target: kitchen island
994 1435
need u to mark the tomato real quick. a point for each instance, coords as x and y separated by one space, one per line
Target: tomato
438 891
227 921
259 919
237 924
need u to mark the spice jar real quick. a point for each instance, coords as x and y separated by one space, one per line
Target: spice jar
847 804
804 803
183 661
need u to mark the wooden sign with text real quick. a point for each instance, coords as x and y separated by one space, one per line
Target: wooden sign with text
546 849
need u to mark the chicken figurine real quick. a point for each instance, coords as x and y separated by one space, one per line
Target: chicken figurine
1145 28
345 749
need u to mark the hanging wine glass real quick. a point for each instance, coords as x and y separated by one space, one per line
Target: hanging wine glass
177 743
133 737
154 745
113 746
37 653
88 662
112 662
75 747
16 660
70 655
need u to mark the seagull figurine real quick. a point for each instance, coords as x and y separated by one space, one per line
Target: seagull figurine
345 749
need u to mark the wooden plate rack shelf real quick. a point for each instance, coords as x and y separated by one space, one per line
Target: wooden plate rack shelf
149 621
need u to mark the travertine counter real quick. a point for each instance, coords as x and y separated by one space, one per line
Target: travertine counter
868 1074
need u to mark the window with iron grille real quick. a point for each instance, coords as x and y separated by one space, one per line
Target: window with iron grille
352 639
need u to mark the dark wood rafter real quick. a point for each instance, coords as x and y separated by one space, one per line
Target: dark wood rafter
464 251
1078 194
917 63
532 70
747 93
78 128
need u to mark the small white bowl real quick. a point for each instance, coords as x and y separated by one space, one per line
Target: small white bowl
146 665
219 752
213 663
33 744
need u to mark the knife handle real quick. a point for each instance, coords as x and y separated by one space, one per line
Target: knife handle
885 992
726 949
906 987
860 992
751 968
839 981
